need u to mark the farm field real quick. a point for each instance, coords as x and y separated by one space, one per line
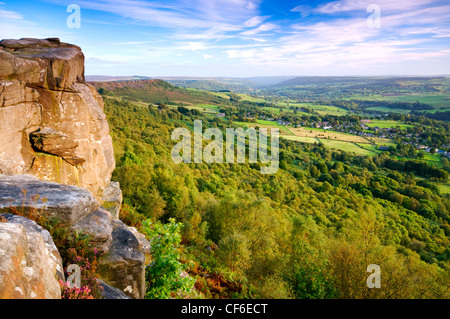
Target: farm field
348 147
328 109
357 148
436 100
326 134
301 139
266 124
382 141
444 189
388 124
432 159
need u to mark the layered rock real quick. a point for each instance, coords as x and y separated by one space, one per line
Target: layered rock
52 122
68 204
123 266
56 158
122 249
112 199
30 265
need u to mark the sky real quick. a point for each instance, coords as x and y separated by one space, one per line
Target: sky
243 38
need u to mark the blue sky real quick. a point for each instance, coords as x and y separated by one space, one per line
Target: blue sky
243 37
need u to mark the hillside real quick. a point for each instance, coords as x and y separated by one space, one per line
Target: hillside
308 231
154 91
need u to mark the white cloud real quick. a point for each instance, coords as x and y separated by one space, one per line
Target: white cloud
253 22
10 15
262 28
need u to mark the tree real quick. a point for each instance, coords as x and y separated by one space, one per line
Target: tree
164 274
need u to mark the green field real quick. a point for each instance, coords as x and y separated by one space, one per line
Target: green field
444 189
439 101
357 148
266 124
433 159
301 139
387 124
328 109
276 110
347 147
436 100
387 110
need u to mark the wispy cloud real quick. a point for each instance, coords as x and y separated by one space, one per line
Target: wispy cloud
262 28
323 36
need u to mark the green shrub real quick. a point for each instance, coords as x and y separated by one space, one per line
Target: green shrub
164 274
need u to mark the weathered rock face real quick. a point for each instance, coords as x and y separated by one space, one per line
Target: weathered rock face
112 199
56 157
122 249
123 266
51 122
98 226
68 204
30 265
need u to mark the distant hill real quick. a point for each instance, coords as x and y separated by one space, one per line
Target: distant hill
350 80
236 84
154 91
107 78
210 85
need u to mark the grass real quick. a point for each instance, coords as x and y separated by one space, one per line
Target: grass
347 147
327 134
300 139
388 124
276 110
388 110
370 147
328 109
382 141
437 100
432 159
444 189
264 123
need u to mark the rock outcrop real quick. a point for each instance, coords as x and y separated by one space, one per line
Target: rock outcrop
52 122
122 261
30 264
124 265
112 199
56 158
68 204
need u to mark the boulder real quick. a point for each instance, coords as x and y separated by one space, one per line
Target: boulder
68 204
98 226
112 199
143 242
123 266
31 227
29 269
110 292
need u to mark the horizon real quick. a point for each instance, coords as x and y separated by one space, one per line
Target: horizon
155 77
243 38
